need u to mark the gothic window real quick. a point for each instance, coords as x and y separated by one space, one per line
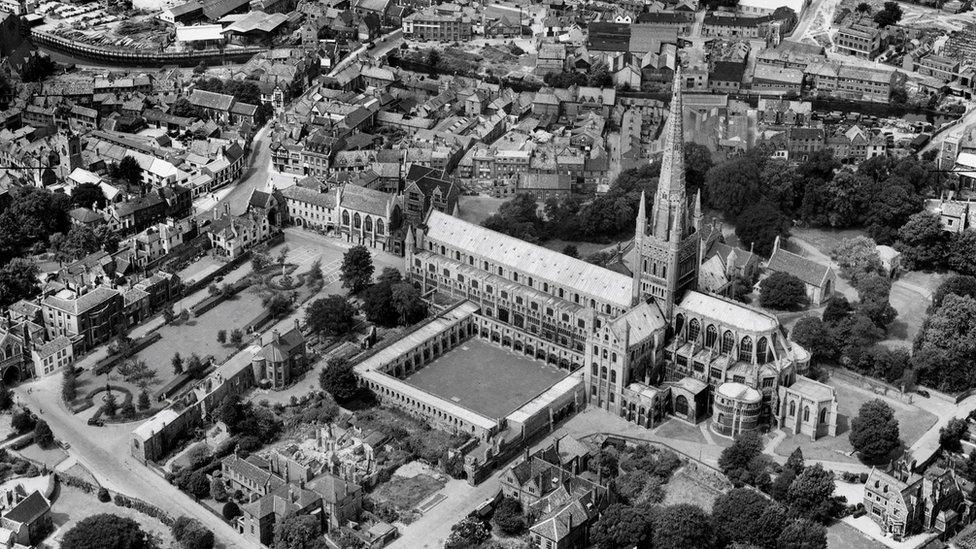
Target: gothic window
357 221
345 217
806 413
711 334
823 415
728 342
693 328
745 349
679 322
369 224
762 350
603 372
613 376
792 409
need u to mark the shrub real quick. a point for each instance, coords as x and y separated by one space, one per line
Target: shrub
103 495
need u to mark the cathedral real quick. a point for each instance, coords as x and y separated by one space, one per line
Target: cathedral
647 346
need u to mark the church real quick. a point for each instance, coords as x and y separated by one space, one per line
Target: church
647 346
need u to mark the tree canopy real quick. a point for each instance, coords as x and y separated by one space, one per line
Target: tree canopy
105 531
357 269
782 291
330 316
874 432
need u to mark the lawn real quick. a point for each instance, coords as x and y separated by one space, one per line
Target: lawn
49 457
912 423
680 430
684 487
199 335
485 378
845 536
406 493
476 209
73 505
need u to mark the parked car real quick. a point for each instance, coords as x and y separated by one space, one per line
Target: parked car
924 393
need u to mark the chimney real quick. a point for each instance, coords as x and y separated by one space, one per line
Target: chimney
275 336
216 214
227 209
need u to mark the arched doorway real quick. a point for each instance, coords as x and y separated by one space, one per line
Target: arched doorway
11 376
681 405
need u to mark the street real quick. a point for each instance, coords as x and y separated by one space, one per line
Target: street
105 452
256 175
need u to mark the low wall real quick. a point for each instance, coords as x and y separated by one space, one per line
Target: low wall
876 386
142 58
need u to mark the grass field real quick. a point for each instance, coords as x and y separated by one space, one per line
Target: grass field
486 379
405 493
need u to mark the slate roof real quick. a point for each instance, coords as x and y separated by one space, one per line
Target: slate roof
29 509
211 100
87 301
809 271
309 196
365 200
543 263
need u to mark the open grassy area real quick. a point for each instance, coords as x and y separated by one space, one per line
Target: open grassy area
73 505
912 423
684 487
485 378
405 493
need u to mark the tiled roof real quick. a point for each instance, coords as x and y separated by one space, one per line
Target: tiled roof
365 200
309 196
211 100
87 301
53 346
28 510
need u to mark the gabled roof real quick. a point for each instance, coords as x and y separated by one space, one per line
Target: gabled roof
809 271
211 100
29 509
543 263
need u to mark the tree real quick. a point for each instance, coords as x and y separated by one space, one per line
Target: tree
331 316
780 487
168 314
519 217
468 532
953 433
962 252
236 336
837 309
782 291
803 534
23 421
339 380
79 242
378 305
195 366
874 432
737 460
571 251
889 15
407 303
857 258
736 516
873 291
390 276
759 225
217 490
128 170
43 435
795 461
278 304
809 496
105 531
230 510
733 185
69 385
197 485
222 336
191 534
623 526
891 209
357 269
259 260
508 516
682 526
177 362
143 401
863 7
922 242
314 277
6 398
946 344
18 280
960 285
88 195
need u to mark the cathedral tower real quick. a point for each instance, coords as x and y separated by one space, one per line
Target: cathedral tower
667 241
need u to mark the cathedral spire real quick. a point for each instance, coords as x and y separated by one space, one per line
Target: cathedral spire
672 181
642 215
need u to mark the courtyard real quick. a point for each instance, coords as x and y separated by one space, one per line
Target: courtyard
485 378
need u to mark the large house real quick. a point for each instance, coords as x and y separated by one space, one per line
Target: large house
819 280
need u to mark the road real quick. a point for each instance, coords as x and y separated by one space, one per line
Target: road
810 16
256 175
104 451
